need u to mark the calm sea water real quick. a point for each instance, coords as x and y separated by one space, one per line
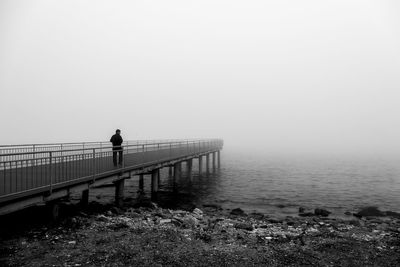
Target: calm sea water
280 185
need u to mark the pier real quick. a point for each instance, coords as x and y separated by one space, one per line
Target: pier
46 173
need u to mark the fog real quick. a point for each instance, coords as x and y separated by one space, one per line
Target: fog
279 76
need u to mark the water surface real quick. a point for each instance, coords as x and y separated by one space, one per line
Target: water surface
280 185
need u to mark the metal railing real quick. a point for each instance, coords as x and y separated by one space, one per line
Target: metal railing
42 167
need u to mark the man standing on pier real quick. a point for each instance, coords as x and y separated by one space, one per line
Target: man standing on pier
116 141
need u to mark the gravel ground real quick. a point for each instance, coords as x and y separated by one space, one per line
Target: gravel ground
152 236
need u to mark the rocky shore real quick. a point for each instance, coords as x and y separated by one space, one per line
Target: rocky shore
148 235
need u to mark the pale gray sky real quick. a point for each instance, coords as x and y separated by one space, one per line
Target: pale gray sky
302 76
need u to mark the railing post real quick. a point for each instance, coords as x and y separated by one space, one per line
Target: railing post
51 170
123 156
34 155
94 164
142 154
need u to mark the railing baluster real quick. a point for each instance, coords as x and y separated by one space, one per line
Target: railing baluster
50 171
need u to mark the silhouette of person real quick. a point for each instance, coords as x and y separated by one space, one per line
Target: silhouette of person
116 141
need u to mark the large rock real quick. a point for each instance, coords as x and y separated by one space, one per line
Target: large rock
322 212
370 211
238 212
198 213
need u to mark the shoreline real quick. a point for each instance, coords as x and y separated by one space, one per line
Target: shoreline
148 235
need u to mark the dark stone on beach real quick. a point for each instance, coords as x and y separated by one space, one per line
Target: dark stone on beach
290 222
238 212
370 211
348 213
212 206
187 206
206 237
273 220
177 221
322 212
374 220
382 226
117 211
306 214
302 209
393 214
244 226
145 204
356 222
257 215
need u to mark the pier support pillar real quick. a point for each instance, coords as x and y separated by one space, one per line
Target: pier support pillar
214 160
141 184
119 192
219 158
155 174
180 168
189 166
170 171
85 198
200 164
208 163
177 174
53 210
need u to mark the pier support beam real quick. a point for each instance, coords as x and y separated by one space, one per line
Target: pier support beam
85 198
119 192
177 174
189 166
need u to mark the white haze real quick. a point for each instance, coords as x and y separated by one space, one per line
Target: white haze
281 76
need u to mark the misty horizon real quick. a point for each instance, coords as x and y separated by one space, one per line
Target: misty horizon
289 77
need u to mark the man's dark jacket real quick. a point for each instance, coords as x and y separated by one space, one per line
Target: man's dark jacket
116 141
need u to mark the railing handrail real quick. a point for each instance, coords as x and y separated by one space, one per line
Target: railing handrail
94 142
178 141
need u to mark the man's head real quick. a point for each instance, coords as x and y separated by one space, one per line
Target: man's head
118 131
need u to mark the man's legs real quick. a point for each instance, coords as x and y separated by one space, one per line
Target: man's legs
120 156
115 157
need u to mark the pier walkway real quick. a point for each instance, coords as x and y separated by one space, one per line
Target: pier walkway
43 173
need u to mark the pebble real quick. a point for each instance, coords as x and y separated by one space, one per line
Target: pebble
163 221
